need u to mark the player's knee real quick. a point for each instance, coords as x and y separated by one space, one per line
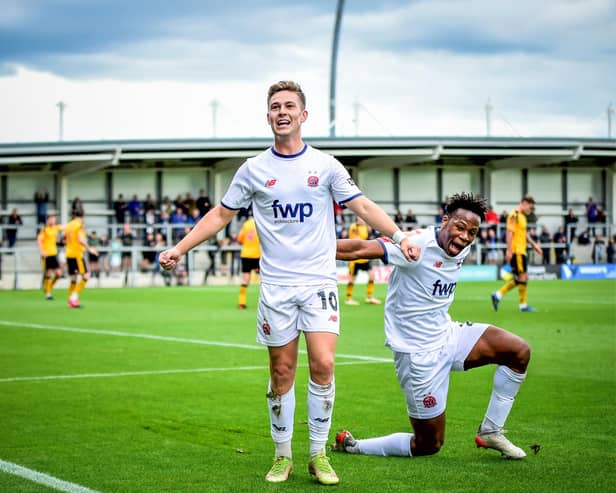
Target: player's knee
322 369
523 354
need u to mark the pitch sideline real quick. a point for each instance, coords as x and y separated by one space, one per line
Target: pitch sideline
42 478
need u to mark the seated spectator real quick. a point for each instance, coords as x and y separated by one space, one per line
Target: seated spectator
180 218
398 218
584 238
492 257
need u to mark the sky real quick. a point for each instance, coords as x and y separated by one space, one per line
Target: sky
152 69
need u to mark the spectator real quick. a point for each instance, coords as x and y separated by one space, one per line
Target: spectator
609 251
148 254
410 218
194 218
203 203
178 217
135 210
492 219
483 241
190 203
94 254
570 221
179 202
41 201
545 239
77 207
149 218
560 251
167 206
592 215
492 257
127 238
103 253
598 250
119 209
584 238
602 219
14 220
149 204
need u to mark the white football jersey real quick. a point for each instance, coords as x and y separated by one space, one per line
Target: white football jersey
420 293
292 201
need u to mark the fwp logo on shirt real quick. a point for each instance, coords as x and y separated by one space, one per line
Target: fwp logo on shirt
441 290
291 213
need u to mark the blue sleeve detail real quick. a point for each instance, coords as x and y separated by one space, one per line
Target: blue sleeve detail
385 257
342 202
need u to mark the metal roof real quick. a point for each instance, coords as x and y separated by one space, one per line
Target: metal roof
71 158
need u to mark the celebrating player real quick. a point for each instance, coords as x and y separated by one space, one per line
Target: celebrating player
47 240
291 187
515 255
427 345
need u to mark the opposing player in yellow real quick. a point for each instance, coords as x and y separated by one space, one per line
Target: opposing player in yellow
515 255
249 255
359 231
76 245
47 239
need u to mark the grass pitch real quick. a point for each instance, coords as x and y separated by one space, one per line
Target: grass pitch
163 390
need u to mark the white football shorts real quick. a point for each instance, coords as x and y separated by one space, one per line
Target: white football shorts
424 376
285 311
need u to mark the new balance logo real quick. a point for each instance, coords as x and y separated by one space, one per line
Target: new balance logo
289 212
270 183
322 420
279 428
443 290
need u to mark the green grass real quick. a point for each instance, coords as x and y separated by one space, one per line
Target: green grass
208 430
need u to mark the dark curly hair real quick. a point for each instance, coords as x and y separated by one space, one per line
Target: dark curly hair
469 202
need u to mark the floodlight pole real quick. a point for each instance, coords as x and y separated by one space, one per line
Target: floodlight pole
332 78
214 104
61 107
489 108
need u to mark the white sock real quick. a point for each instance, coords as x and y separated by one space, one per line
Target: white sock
398 444
320 408
498 295
506 386
282 411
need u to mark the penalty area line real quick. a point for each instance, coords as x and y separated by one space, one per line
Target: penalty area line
42 478
162 372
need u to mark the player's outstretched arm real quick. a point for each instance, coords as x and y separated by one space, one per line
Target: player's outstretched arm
208 226
356 249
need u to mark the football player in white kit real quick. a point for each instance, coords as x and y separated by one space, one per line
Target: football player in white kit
292 188
427 345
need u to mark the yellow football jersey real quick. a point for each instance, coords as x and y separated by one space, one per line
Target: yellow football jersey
516 223
249 239
48 237
359 232
75 233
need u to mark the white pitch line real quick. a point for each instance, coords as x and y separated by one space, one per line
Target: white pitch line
42 478
161 372
8 323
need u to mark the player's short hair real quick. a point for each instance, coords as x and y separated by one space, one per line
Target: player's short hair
467 201
286 85
529 199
